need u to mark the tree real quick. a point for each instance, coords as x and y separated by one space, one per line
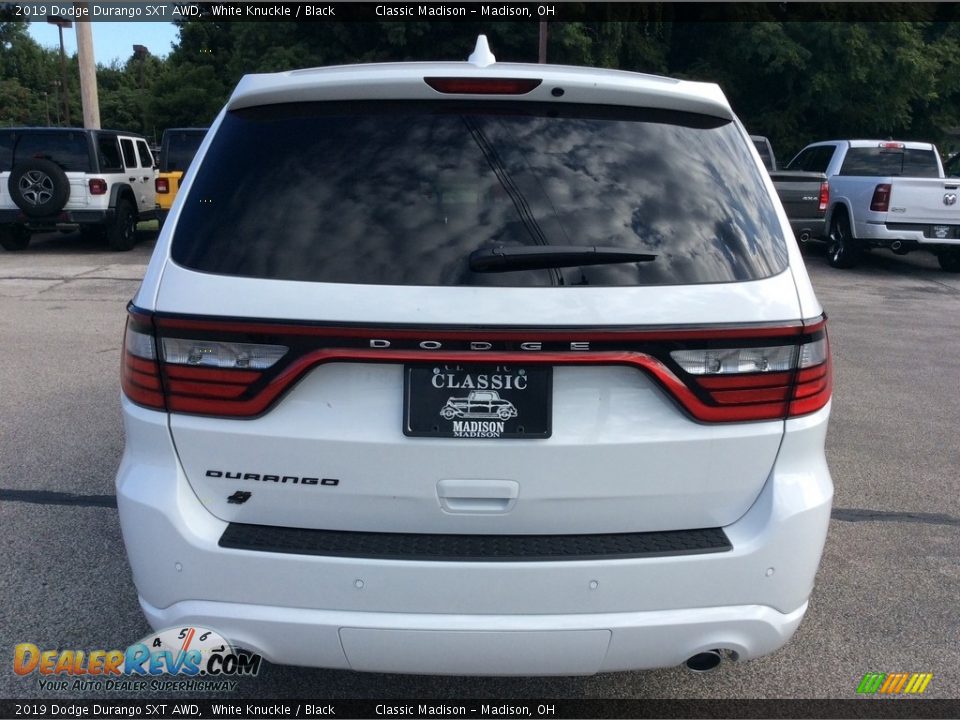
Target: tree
29 73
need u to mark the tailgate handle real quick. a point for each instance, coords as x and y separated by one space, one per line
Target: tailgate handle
478 496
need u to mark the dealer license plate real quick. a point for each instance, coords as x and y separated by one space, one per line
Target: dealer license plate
477 401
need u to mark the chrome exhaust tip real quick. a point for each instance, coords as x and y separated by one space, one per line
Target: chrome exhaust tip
704 662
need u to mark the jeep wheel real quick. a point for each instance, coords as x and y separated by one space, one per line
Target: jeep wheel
949 260
39 187
122 232
843 251
14 238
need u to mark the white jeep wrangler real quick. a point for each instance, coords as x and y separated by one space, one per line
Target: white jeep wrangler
101 181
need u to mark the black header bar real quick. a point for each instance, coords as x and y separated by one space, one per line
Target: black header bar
318 709
483 12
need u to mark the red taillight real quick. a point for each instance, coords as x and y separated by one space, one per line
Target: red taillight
892 145
760 382
824 195
97 186
140 371
881 198
234 368
162 185
202 375
482 86
812 389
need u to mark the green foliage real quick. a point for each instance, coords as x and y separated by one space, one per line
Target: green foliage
14 101
804 81
792 81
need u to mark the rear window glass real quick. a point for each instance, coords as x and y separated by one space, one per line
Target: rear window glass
402 194
951 168
179 147
67 149
890 162
815 159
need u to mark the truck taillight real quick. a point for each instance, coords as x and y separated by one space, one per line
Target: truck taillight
881 198
98 186
824 195
162 185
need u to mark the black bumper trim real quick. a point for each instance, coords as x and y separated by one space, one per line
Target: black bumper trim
473 548
64 217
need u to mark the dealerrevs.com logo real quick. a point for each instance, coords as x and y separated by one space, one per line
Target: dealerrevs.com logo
894 683
182 658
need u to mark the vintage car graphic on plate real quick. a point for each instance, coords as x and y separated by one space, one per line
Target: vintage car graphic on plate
479 404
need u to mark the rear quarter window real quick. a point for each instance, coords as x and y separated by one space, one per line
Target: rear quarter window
109 153
401 193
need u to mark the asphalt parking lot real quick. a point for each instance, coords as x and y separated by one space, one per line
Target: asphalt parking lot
887 597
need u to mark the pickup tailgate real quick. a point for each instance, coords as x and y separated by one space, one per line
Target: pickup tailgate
924 201
799 192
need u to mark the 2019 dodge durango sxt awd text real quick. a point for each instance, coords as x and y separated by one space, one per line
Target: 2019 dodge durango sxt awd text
359 248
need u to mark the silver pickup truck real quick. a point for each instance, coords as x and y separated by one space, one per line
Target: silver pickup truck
886 194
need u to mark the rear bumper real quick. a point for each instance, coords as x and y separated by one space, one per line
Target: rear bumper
813 228
66 217
544 617
449 644
883 234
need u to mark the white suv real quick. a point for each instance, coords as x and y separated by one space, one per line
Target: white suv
355 246
100 181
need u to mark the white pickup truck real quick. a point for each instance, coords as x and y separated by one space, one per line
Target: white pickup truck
886 194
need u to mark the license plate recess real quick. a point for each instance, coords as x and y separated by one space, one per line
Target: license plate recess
477 401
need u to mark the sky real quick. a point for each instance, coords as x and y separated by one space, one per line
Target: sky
111 40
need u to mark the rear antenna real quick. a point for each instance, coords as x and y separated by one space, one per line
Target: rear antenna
481 55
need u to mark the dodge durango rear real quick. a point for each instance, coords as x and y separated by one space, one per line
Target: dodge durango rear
477 368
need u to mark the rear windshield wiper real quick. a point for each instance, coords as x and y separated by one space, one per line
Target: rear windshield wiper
542 257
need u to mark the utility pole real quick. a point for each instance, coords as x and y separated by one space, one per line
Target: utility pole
62 23
140 54
55 84
88 73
